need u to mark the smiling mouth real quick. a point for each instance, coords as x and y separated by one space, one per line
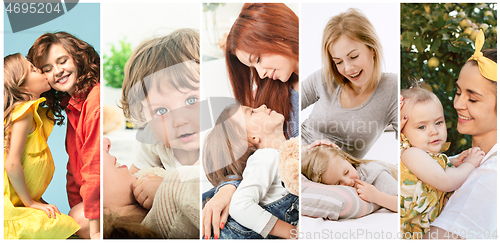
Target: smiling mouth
465 118
356 74
63 79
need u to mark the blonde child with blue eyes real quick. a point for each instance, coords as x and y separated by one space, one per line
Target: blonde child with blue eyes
28 163
160 94
426 175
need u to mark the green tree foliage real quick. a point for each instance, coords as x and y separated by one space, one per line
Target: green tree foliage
114 64
436 41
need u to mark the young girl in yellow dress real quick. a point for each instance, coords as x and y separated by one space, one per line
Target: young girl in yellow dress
427 174
27 159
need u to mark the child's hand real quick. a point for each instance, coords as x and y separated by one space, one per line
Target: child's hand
145 190
474 156
367 191
459 159
50 209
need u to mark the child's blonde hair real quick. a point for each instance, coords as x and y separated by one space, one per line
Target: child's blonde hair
15 71
171 61
416 94
315 162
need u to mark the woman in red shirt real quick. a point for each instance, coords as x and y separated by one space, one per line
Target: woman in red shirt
72 68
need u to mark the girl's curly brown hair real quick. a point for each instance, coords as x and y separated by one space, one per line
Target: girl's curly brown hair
86 60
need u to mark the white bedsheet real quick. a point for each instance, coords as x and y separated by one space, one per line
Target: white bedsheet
382 224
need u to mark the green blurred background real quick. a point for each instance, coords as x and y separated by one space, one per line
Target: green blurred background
436 41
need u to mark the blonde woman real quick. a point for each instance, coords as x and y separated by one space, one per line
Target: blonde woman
354 101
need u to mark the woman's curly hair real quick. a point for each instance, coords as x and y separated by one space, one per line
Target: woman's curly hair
86 60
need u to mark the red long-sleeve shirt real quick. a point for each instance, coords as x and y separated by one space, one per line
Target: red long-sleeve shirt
83 148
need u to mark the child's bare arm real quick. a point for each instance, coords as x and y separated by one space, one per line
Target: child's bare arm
283 230
370 193
14 169
430 172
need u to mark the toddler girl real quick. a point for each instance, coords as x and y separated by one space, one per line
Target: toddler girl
426 175
244 145
375 181
28 162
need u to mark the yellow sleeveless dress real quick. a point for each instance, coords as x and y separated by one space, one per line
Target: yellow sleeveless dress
420 203
27 223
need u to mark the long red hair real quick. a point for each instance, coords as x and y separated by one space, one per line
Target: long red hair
263 28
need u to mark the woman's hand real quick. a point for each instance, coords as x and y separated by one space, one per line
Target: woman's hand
306 148
145 190
367 191
322 142
50 209
216 211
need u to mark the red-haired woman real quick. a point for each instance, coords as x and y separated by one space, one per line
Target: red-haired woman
262 51
262 58
71 67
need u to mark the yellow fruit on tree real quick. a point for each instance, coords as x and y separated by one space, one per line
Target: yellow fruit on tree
462 141
468 30
465 23
433 62
474 34
484 26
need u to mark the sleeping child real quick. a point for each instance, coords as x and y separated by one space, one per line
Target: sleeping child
374 181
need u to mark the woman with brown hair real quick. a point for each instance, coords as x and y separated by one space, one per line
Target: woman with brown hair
72 68
262 58
472 207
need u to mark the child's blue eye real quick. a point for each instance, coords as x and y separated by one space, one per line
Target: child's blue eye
191 100
421 127
161 111
439 123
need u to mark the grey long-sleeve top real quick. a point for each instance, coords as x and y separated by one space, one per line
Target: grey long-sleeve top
354 130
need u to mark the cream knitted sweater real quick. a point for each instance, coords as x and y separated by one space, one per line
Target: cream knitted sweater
176 208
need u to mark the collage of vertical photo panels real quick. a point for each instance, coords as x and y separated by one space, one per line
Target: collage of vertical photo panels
189 120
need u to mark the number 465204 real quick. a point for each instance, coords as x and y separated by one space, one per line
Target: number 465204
38 8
